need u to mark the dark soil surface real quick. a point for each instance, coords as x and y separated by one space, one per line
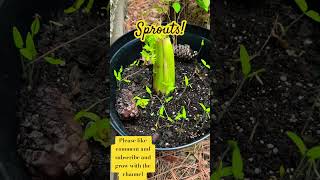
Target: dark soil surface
148 122
84 77
288 99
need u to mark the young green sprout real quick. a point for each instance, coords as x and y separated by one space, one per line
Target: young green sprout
205 109
182 114
140 102
309 156
236 170
118 75
205 64
186 81
305 9
97 128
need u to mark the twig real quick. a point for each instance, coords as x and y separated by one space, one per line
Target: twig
96 103
133 73
231 100
265 43
293 22
65 43
253 131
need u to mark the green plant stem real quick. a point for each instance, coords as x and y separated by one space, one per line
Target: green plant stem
66 43
236 94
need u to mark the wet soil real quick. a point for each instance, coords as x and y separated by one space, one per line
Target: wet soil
287 99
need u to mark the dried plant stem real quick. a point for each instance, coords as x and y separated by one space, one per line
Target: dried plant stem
293 22
66 43
236 94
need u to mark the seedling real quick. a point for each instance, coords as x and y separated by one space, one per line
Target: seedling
305 9
205 64
149 91
186 81
309 157
135 63
205 109
118 75
182 114
140 102
236 170
246 65
28 51
77 5
97 128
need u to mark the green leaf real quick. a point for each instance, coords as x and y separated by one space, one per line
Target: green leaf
186 81
168 99
126 80
202 42
90 131
148 91
282 171
184 113
88 8
314 153
222 172
76 5
204 4
116 75
245 61
35 26
205 64
203 106
298 141
176 6
313 15
170 119
54 61
30 45
141 102
89 115
17 38
70 10
161 110
26 53
302 5
237 163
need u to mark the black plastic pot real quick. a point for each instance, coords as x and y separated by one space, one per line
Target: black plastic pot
127 49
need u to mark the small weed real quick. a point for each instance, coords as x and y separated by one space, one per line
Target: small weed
236 170
205 64
97 128
140 102
182 114
305 9
205 109
309 158
28 51
118 76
